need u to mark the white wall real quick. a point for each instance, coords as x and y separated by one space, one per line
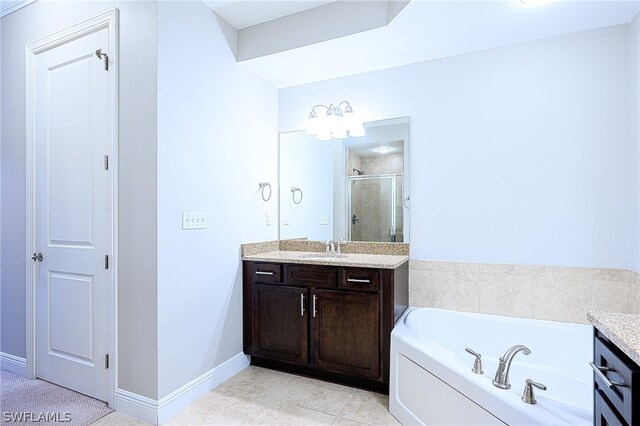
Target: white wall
518 154
634 144
217 138
137 198
306 163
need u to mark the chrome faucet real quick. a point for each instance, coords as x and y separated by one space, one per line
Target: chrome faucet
502 375
330 248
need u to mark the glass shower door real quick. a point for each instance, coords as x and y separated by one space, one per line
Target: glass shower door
372 206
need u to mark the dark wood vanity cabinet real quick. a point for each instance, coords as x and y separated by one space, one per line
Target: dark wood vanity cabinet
279 329
617 385
345 331
326 321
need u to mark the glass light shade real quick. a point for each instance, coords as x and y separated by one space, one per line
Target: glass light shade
339 133
350 120
332 121
338 130
324 126
357 130
324 136
313 125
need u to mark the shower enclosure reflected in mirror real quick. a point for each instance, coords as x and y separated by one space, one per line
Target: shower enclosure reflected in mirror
355 188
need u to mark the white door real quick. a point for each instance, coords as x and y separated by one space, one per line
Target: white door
72 214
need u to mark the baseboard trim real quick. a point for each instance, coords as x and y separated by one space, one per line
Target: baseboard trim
13 364
156 412
136 405
186 394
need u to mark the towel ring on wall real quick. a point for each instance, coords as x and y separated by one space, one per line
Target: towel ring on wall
262 186
407 203
295 189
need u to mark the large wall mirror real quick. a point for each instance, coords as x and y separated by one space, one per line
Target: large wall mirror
353 188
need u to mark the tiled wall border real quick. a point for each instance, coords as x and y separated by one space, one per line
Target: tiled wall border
541 292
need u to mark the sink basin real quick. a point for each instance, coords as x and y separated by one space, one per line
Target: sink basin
323 256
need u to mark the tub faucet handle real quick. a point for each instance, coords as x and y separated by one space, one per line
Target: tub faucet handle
528 396
477 364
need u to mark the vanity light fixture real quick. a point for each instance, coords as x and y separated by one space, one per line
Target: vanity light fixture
336 123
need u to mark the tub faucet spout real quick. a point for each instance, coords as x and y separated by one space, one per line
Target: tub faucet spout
502 375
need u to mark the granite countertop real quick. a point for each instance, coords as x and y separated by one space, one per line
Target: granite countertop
313 258
622 329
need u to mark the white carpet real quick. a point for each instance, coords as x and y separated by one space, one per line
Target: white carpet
37 402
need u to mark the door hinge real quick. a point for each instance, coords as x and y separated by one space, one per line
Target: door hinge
106 162
106 361
106 261
100 54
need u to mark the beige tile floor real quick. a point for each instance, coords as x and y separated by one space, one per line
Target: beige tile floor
258 396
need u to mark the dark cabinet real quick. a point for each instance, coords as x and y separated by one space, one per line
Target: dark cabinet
279 323
344 325
616 385
326 321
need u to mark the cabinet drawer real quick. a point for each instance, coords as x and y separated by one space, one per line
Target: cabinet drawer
312 276
268 273
616 379
360 279
604 414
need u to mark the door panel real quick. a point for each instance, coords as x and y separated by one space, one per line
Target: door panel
69 153
280 323
372 208
342 325
70 308
72 214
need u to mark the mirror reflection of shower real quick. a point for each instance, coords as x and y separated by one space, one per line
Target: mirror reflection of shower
374 188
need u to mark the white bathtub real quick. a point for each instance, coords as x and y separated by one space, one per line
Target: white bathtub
431 380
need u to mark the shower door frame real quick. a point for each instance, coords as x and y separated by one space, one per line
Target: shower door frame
394 184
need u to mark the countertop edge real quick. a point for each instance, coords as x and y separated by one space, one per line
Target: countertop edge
264 257
622 329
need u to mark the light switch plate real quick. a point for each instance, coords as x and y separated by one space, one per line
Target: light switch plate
194 220
324 219
268 219
286 219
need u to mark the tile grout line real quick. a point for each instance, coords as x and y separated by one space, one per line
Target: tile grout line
353 391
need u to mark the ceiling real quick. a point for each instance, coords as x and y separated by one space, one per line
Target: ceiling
423 30
245 13
368 149
378 134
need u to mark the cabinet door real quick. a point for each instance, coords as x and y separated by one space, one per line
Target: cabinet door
280 323
346 332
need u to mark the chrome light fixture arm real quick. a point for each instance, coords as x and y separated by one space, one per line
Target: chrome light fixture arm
334 124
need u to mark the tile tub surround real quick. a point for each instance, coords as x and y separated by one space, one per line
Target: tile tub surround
355 247
633 293
355 260
622 329
540 292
